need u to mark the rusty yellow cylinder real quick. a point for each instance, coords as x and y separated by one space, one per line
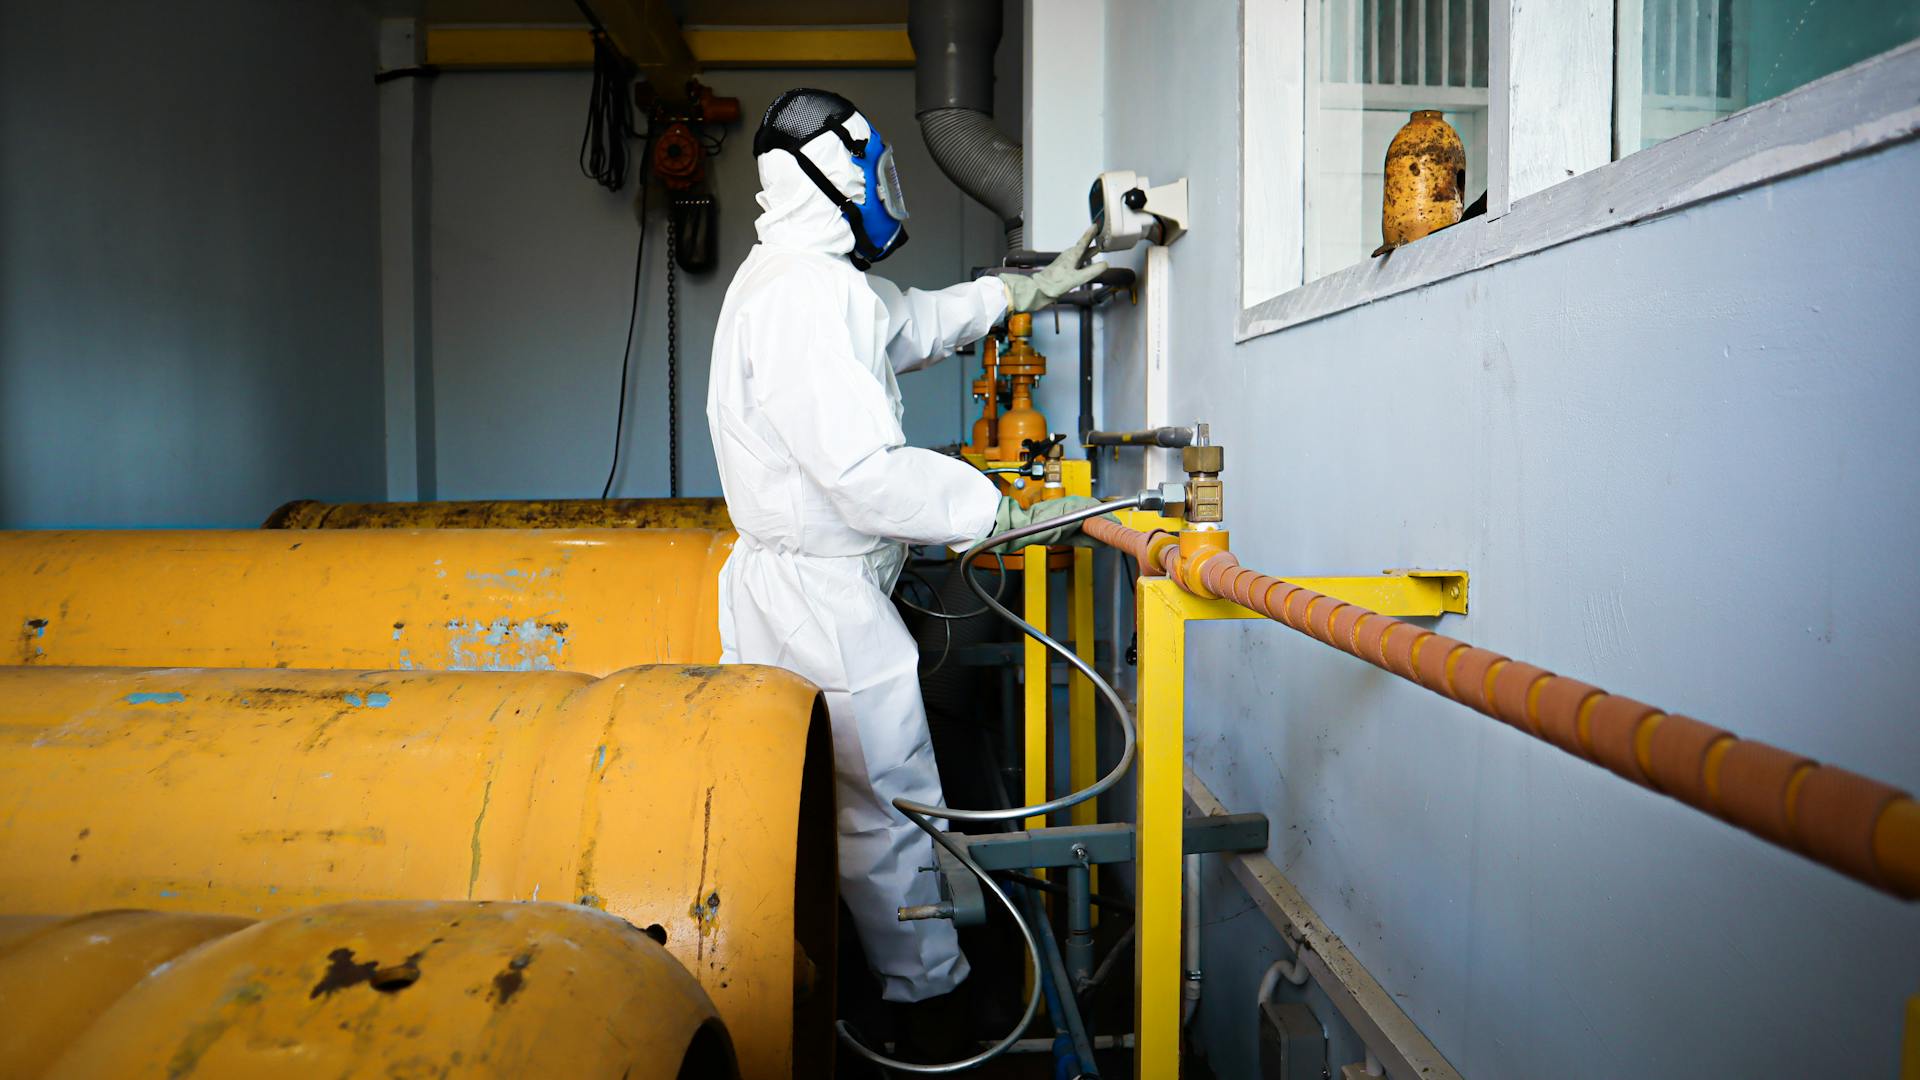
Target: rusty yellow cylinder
695 799
506 514
588 600
356 990
58 975
1426 174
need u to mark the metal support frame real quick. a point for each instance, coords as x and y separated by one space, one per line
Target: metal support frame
1159 840
1163 611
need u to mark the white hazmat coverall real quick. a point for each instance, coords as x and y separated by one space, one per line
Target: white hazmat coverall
805 416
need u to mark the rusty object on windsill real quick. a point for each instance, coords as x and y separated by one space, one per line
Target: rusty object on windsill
1850 823
1426 174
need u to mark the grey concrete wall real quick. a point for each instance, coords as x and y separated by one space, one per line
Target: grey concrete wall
1678 461
188 304
533 264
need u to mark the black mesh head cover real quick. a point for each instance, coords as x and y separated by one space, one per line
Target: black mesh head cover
798 115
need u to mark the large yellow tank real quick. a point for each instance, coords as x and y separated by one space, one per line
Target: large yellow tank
697 800
506 514
589 600
353 990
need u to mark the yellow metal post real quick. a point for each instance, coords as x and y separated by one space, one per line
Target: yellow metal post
1160 768
1084 767
1034 561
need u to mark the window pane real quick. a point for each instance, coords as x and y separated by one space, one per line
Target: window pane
1699 60
1378 62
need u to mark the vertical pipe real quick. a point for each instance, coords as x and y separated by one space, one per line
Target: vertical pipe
1079 925
1086 371
1068 1014
1190 939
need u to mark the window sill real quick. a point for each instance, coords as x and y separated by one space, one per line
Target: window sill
1846 114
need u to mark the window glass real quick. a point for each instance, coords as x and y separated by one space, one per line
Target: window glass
1378 62
1694 61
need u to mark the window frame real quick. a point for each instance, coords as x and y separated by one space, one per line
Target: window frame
1551 174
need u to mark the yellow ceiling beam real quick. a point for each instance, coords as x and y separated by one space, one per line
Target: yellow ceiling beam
726 47
508 47
511 47
647 34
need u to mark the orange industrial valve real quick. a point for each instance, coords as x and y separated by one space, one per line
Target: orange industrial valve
1022 367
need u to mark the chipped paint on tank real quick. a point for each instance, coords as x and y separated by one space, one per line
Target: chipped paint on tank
505 645
375 700
168 697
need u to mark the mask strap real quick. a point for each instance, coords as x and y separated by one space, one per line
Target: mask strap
849 209
856 147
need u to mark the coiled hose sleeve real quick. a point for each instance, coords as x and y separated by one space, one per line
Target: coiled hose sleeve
982 161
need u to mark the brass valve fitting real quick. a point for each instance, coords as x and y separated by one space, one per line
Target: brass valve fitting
1203 462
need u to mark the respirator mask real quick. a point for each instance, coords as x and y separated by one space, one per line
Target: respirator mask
799 116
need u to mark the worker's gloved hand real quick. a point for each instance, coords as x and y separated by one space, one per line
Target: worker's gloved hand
1011 515
1031 292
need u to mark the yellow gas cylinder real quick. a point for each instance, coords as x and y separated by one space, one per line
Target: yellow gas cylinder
506 514
356 990
590 600
697 801
1426 174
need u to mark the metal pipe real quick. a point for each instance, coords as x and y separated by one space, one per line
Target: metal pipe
1171 438
1079 950
953 43
1850 823
1069 1015
1190 942
1086 374
1100 1042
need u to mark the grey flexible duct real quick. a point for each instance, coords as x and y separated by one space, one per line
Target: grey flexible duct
953 43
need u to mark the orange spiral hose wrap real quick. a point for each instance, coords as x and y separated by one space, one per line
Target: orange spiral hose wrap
1858 826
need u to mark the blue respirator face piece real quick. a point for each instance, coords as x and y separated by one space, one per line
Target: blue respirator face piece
800 115
883 213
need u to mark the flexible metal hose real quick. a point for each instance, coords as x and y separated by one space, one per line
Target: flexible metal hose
922 815
981 160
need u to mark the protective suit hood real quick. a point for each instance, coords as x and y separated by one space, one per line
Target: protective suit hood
797 214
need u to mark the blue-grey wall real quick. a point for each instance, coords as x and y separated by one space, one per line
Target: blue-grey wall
533 267
1678 460
188 303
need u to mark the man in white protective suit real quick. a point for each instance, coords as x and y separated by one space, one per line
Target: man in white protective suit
805 415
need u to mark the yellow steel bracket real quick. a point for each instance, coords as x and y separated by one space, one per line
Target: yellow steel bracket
1164 610
1400 593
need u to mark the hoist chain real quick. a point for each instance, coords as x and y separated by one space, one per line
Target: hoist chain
673 361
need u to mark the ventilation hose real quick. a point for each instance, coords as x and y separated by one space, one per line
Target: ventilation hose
923 815
953 45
